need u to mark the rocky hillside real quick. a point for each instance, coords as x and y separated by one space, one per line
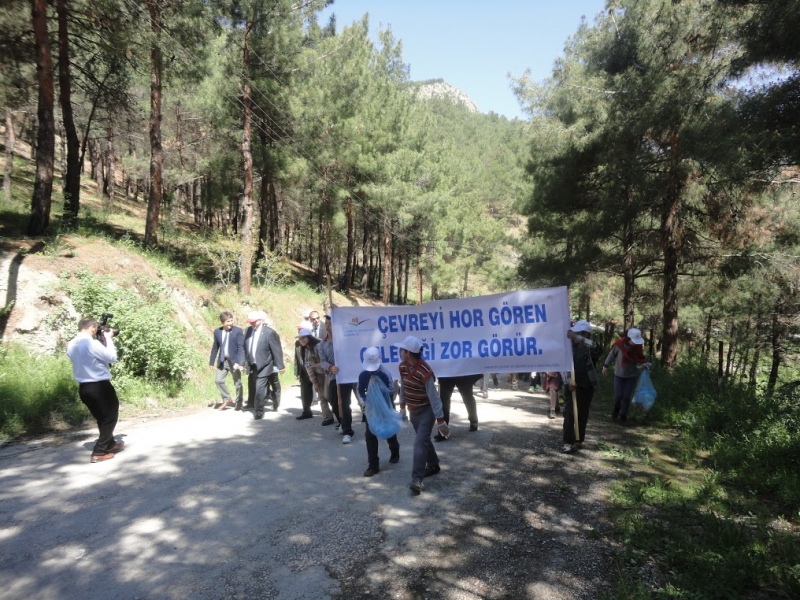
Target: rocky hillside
438 88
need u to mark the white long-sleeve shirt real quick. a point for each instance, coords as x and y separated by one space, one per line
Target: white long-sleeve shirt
91 360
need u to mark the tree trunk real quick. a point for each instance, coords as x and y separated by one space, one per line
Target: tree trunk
729 356
45 135
274 224
628 277
97 163
776 353
10 142
245 267
156 151
351 247
707 347
405 285
754 365
179 136
387 265
670 243
110 170
197 204
264 200
466 283
419 271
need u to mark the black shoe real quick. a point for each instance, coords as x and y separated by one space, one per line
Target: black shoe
327 422
439 438
275 406
237 406
394 459
371 471
431 471
304 416
416 487
258 415
473 427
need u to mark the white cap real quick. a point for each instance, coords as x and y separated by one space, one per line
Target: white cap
372 359
304 332
305 325
411 344
256 315
581 326
636 336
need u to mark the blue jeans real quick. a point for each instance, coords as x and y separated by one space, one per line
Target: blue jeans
623 390
422 420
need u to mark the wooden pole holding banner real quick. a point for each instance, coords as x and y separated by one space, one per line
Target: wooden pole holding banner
574 397
338 389
572 376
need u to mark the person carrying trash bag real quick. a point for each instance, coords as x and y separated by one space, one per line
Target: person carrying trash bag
375 386
582 383
627 355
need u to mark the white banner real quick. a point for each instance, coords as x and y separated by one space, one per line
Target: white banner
514 332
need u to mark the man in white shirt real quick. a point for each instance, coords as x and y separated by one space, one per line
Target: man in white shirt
91 363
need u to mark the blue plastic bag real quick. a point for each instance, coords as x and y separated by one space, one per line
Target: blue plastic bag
644 396
383 420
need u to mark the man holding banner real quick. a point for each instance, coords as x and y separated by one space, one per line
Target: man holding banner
464 385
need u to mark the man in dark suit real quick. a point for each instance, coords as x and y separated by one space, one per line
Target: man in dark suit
227 356
263 355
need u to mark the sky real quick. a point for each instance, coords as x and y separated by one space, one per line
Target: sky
474 44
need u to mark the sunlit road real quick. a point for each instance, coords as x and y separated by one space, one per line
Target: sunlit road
215 504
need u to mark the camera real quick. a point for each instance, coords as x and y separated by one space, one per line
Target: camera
102 327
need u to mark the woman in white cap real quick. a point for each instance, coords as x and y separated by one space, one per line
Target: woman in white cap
582 381
626 354
373 367
418 394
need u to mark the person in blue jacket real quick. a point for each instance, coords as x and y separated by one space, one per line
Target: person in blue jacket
227 356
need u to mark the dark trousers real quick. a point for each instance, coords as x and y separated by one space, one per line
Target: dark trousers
274 389
346 418
623 390
584 400
257 389
100 398
464 385
306 392
372 447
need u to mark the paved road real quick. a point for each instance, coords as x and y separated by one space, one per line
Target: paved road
212 505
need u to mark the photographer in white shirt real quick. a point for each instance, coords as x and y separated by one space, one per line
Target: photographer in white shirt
91 362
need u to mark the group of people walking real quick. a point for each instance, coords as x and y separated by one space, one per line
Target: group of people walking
257 352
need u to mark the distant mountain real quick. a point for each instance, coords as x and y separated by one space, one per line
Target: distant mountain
438 88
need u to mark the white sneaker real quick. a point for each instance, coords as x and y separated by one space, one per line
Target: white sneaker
567 448
346 439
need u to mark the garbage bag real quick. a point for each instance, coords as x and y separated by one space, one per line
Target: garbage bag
383 420
644 396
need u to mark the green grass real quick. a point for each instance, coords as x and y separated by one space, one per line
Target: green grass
37 393
707 506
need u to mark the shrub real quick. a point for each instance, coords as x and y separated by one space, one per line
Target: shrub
151 342
36 392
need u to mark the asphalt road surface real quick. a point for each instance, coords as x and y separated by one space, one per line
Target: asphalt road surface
217 505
